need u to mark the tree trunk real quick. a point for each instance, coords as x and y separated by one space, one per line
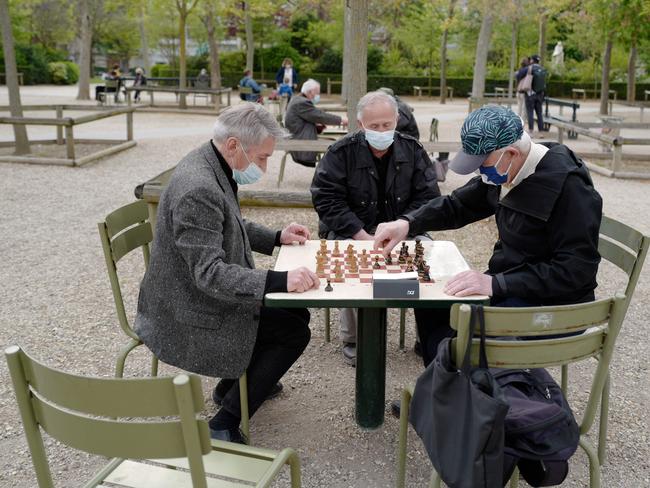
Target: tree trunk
215 66
346 54
513 47
604 84
541 47
357 80
631 73
250 46
482 47
443 53
182 64
144 44
11 78
86 48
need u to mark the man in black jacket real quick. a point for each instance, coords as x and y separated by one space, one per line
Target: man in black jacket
368 177
547 214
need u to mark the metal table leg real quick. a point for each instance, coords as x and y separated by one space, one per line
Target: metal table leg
371 367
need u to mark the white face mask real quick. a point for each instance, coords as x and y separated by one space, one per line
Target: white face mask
379 140
250 175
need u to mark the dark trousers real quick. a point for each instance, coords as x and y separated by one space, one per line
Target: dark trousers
433 325
534 104
282 336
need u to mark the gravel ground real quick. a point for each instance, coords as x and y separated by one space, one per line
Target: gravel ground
55 302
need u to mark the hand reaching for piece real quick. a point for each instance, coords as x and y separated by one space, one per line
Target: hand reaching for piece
301 279
294 233
389 234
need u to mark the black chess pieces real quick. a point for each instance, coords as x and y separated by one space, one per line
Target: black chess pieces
329 286
426 276
376 265
389 260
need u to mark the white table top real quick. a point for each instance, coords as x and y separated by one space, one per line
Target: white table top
443 256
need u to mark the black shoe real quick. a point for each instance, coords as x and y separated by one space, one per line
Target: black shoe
229 435
396 408
417 348
350 353
224 386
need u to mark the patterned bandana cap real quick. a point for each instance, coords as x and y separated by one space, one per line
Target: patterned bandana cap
484 131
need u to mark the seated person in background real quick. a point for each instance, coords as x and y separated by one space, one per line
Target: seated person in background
285 89
547 215
103 89
406 123
203 79
140 80
303 118
248 82
200 305
370 176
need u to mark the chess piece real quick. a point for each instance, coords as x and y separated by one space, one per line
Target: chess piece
323 246
338 273
329 286
364 259
426 276
376 265
409 265
336 251
389 260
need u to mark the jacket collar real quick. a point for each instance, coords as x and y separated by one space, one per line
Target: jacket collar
537 194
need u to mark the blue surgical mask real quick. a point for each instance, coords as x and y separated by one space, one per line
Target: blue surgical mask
379 140
316 99
491 176
250 175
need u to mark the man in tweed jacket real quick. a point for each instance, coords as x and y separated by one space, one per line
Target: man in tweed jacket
200 304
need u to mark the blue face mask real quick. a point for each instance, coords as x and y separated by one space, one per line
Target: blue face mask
316 99
491 175
379 140
250 175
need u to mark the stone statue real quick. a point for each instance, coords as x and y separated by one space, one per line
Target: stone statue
558 57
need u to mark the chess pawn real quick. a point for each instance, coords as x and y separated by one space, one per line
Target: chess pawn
364 259
329 286
376 265
409 265
389 260
323 246
426 276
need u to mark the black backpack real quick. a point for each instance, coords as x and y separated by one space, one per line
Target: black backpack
539 79
541 433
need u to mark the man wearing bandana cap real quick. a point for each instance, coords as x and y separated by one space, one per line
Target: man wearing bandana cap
547 214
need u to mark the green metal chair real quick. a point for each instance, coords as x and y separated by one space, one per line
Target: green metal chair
123 231
90 414
600 321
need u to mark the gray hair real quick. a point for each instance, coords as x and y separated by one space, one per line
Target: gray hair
309 85
373 98
523 144
249 122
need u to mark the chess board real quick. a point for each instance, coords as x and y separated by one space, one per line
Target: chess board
374 263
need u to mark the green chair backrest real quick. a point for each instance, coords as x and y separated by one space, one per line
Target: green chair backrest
624 247
112 84
245 90
600 321
123 231
89 414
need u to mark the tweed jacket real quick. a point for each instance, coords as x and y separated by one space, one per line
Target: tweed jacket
200 298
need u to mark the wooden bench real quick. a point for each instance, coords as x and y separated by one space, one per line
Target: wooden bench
561 103
3 76
417 91
177 90
583 92
331 83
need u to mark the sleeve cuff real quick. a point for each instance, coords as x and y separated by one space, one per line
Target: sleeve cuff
499 287
276 282
278 235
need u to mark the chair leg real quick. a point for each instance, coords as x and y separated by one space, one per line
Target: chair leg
565 378
243 406
327 325
514 479
402 327
403 437
154 365
604 417
594 466
436 481
121 358
283 162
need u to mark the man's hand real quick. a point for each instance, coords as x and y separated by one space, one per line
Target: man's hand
294 233
389 234
362 235
344 121
469 283
301 279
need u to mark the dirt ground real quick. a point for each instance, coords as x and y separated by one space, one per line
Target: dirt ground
55 302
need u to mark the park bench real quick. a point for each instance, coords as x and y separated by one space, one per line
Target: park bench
177 90
561 103
646 93
417 91
3 77
331 82
583 92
